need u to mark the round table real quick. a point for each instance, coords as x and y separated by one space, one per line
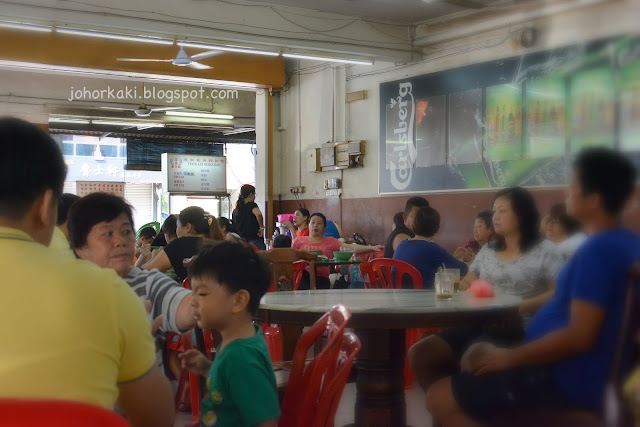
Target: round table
380 317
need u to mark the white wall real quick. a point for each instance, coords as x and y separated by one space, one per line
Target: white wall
308 103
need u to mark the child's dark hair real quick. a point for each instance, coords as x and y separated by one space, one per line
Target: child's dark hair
282 241
148 233
426 222
235 267
398 220
607 173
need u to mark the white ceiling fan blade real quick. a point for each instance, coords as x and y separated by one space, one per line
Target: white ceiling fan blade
199 66
208 54
167 109
144 60
116 108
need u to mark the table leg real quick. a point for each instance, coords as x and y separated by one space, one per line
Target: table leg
312 275
380 378
289 336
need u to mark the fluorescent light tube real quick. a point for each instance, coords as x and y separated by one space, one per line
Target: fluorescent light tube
185 43
237 131
326 58
29 27
105 35
200 115
63 120
134 124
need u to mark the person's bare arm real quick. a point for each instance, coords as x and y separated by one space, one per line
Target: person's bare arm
258 214
161 262
148 401
184 315
577 337
400 237
362 248
465 283
531 305
271 423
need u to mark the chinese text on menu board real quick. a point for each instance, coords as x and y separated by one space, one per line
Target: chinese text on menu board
197 174
84 188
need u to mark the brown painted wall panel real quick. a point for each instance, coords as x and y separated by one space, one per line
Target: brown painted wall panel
373 217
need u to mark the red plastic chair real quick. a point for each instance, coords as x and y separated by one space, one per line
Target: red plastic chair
374 255
382 268
307 381
368 277
329 399
298 269
56 413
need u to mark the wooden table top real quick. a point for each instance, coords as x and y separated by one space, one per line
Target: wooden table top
386 308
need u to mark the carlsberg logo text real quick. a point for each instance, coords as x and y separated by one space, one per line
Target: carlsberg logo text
405 151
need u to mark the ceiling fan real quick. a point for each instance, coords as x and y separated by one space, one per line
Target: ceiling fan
143 110
182 59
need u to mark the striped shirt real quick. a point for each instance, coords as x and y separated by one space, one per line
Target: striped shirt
165 295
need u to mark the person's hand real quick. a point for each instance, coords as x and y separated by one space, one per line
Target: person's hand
195 362
288 224
261 232
487 358
460 253
377 248
145 250
157 322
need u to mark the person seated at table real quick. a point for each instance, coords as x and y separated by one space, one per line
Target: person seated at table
60 239
228 281
569 347
404 232
564 231
227 230
167 232
146 236
101 231
422 252
300 225
518 262
71 330
328 245
482 233
282 241
193 226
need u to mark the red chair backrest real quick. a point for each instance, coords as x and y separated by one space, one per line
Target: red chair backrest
382 269
368 277
330 399
56 413
306 381
374 255
298 269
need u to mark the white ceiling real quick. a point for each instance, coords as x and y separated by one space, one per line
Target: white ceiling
402 11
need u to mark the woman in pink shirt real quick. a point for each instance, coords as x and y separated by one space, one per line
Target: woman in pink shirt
328 245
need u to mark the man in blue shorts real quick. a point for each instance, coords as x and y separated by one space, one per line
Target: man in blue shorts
569 346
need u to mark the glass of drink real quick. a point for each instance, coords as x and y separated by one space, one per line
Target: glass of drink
443 285
454 274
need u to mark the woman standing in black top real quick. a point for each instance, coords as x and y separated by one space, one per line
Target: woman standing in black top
194 225
247 217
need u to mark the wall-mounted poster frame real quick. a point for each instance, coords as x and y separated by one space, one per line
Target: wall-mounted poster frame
540 144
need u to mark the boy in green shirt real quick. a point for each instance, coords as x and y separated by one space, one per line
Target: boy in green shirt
227 281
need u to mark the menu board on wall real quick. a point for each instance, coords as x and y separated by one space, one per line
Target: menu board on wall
84 188
465 127
592 109
430 131
545 110
186 173
630 108
504 122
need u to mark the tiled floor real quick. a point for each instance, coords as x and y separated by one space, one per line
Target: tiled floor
417 415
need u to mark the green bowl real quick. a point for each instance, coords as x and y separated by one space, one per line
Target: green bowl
315 252
342 256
